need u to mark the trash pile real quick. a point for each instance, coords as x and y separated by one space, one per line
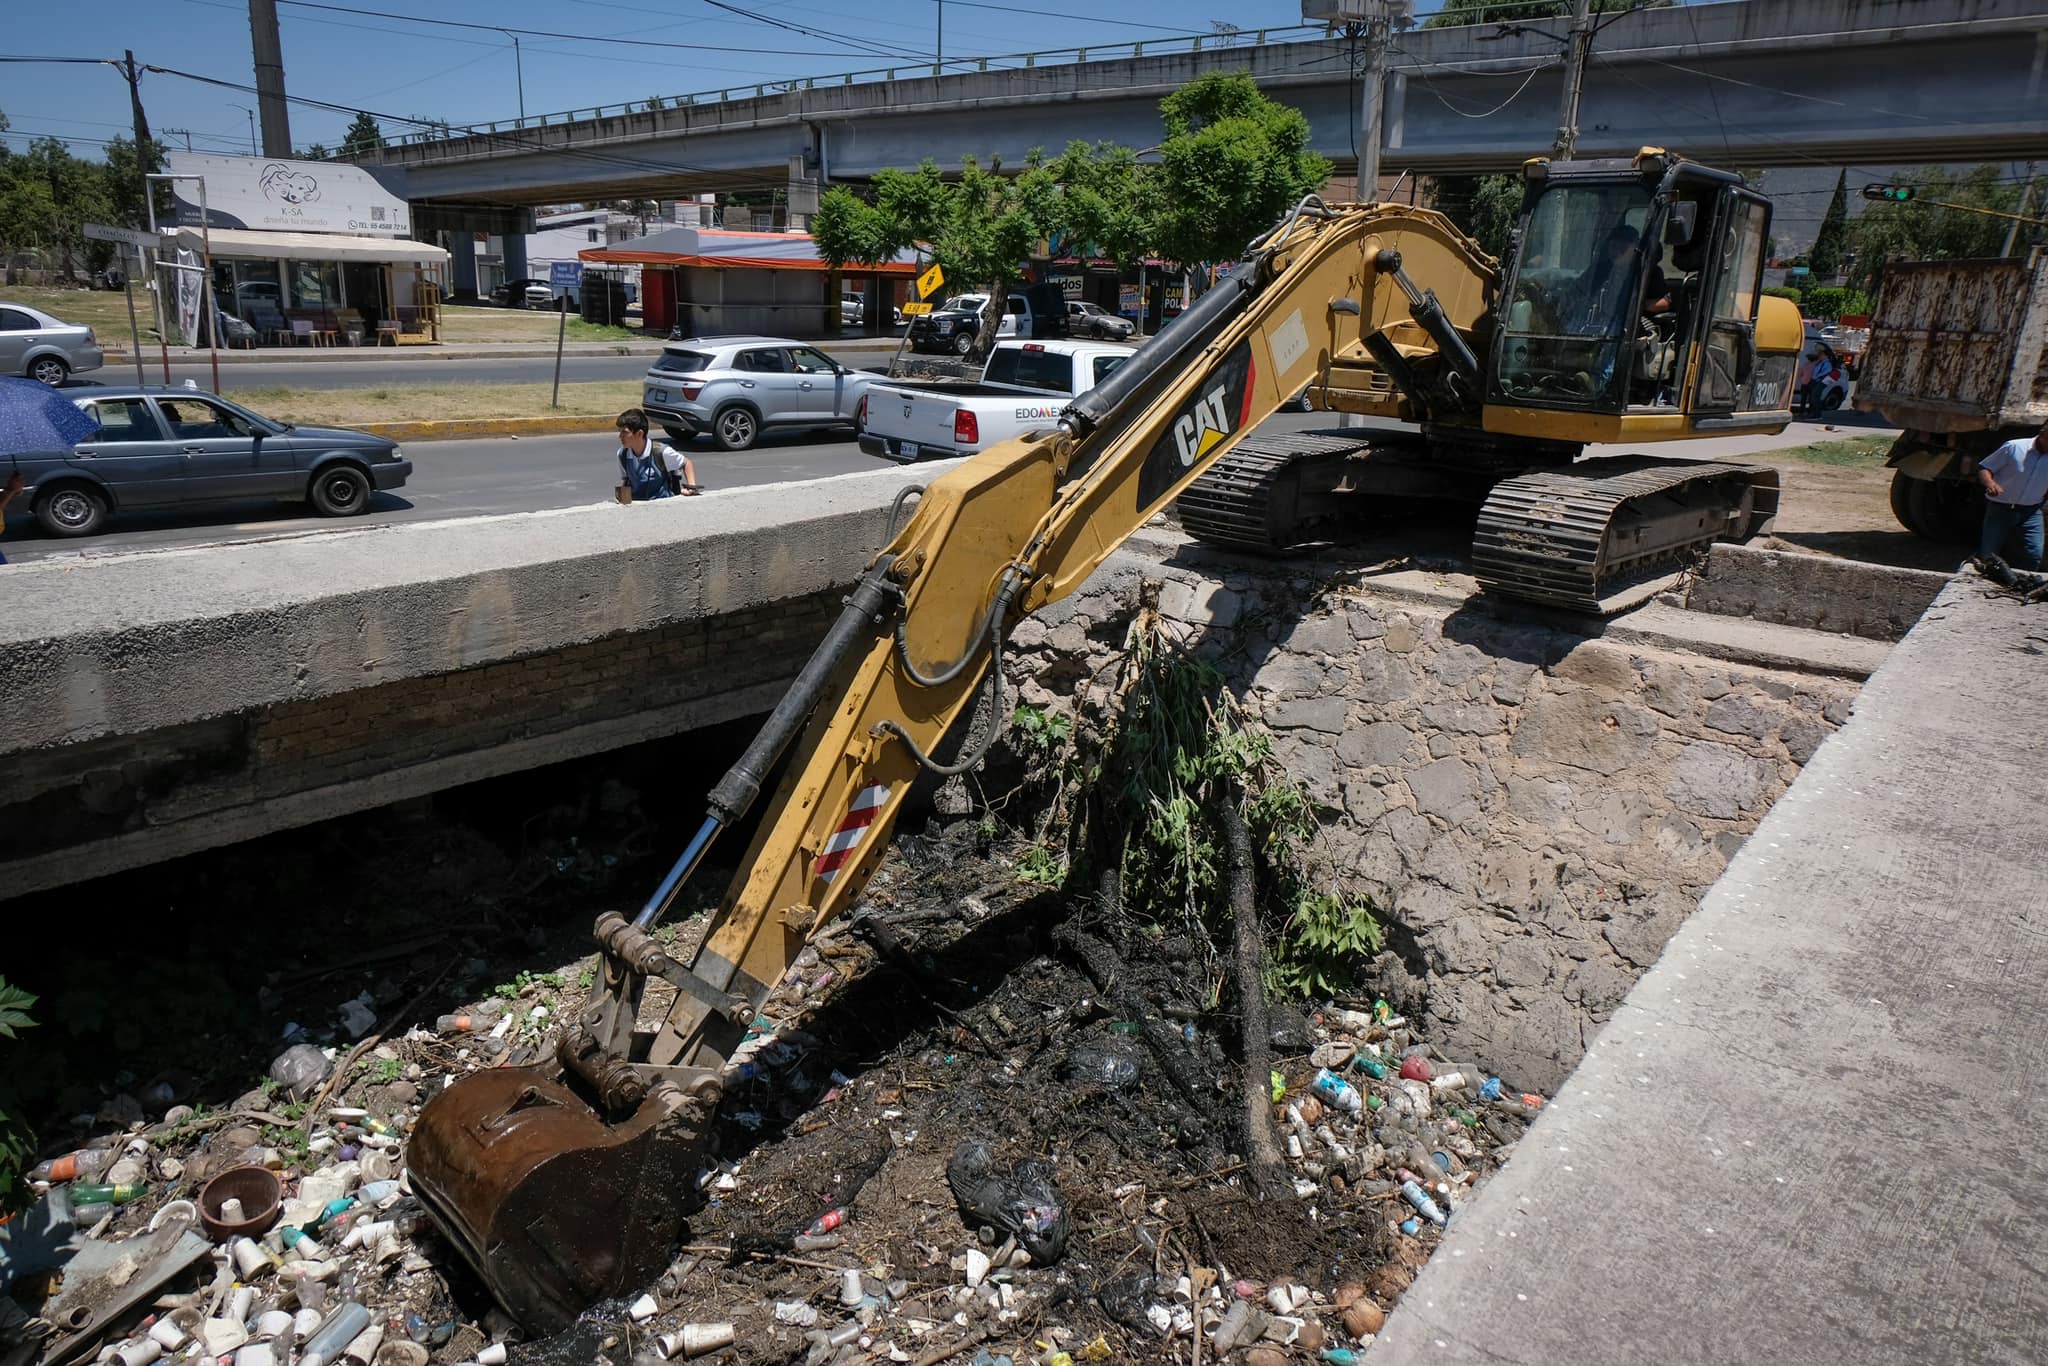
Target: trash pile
945 1140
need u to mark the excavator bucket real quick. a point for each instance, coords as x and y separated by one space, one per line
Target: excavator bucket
554 1205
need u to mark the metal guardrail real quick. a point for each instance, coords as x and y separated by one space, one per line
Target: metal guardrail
952 66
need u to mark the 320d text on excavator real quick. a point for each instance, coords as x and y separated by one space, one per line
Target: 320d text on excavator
1630 310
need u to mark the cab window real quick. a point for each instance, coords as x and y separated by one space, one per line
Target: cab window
1031 368
123 419
1575 297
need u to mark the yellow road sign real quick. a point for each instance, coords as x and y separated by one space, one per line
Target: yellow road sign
916 310
930 283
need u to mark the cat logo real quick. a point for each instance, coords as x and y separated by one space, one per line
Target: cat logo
1200 429
1213 418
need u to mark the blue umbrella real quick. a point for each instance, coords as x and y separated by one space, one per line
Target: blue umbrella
36 418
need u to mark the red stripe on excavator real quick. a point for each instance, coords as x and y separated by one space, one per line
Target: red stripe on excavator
1251 379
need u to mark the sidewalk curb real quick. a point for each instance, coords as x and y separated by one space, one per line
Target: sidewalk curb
489 426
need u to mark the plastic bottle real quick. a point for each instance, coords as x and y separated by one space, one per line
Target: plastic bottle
826 1222
1426 1207
1371 1066
1337 1091
86 1162
338 1332
106 1195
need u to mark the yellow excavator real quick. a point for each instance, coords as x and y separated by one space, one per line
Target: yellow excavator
568 1181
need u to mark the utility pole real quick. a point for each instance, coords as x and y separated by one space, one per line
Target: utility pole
1574 80
939 48
142 161
185 133
269 52
252 126
1370 22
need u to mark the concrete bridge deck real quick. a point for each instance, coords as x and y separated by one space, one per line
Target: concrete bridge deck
1812 1132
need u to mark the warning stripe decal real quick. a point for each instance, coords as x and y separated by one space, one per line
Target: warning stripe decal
867 805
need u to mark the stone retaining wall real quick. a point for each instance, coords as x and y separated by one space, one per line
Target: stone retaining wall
1535 810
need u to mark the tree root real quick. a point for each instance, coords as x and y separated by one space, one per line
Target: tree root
1248 966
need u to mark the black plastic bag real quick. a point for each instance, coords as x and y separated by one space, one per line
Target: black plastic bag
1022 1202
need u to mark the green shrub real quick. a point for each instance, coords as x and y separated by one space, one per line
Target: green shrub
17 1141
1833 301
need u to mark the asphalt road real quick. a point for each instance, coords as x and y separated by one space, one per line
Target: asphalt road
413 369
503 475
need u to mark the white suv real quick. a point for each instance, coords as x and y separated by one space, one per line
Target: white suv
735 388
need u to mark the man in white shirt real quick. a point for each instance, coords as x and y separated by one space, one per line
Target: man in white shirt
2015 481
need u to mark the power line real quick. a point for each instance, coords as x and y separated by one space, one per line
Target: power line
503 139
554 33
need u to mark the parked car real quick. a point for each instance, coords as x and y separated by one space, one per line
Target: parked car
34 344
1023 388
735 388
1090 320
1037 312
852 310
524 293
163 447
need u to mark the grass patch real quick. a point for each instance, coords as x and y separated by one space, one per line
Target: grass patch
1855 452
600 400
103 310
522 325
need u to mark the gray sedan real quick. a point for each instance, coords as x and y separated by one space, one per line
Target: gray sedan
34 344
162 447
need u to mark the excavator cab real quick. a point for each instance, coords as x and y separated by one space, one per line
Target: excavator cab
1634 294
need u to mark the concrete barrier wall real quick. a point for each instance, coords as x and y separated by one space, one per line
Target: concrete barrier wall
1821 594
173 701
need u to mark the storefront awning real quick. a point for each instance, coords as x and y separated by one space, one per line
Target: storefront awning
245 244
732 250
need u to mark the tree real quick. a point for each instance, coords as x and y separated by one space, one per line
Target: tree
1232 163
980 227
1825 258
1456 12
363 136
1103 201
317 152
1483 206
47 195
1922 230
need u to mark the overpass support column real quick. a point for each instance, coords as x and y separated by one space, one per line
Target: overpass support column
462 250
803 195
515 255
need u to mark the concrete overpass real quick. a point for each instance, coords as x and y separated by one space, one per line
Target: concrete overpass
1754 83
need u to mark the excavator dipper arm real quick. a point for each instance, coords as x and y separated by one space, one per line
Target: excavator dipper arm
989 541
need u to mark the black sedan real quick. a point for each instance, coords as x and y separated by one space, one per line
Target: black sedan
163 447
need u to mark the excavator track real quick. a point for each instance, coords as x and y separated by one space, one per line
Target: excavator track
1569 537
1261 495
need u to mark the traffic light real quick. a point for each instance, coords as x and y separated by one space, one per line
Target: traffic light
1897 194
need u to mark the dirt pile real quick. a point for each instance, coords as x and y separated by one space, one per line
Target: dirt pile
863 1197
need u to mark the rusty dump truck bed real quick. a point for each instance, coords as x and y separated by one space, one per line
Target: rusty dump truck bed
1960 346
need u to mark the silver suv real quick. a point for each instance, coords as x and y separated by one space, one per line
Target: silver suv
34 344
735 388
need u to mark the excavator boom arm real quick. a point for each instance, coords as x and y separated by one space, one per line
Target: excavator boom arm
1023 525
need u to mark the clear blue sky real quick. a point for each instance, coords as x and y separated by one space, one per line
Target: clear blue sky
462 75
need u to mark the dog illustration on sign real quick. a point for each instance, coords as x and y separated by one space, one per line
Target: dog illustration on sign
287 186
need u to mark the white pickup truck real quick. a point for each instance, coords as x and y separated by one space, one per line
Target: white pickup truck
1023 388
